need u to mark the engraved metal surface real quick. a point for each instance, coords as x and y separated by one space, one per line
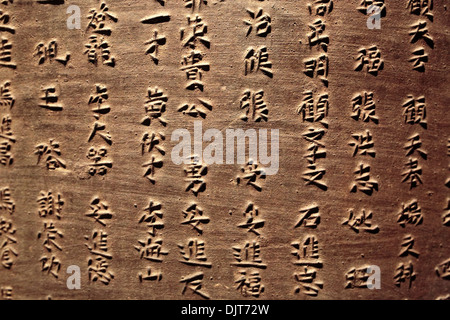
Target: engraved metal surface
95 97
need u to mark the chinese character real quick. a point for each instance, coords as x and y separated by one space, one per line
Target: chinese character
446 216
99 210
307 252
6 227
251 173
308 284
194 282
6 98
366 4
6 54
255 107
321 7
317 67
363 221
7 253
152 141
314 176
420 31
154 43
415 111
194 66
414 145
150 276
99 244
309 217
99 47
4 23
419 59
364 144
194 253
357 278
50 234
99 165
6 130
51 265
6 292
443 269
151 166
98 270
49 153
314 112
404 273
411 213
6 202
252 222
151 250
372 58
98 19
50 99
99 97
195 172
249 284
258 60
153 217
407 247
155 106
194 217
249 255
315 38
98 126
260 21
195 5
363 181
421 7
363 108
6 157
413 173
197 33
49 52
196 110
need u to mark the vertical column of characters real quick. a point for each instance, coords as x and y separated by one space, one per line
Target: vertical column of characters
99 257
195 45
313 109
415 115
423 9
49 56
98 51
151 248
247 255
7 138
50 210
410 214
50 236
8 241
252 102
362 144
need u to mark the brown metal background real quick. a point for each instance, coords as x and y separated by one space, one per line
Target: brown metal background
127 192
